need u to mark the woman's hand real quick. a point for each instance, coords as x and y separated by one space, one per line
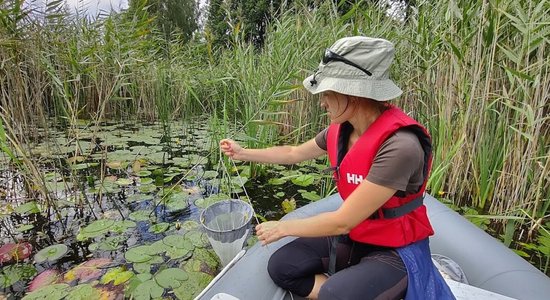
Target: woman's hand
269 232
231 148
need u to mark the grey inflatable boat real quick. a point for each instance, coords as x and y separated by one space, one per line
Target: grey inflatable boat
491 269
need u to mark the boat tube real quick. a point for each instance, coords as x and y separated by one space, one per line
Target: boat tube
492 270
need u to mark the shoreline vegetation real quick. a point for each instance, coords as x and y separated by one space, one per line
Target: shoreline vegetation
476 73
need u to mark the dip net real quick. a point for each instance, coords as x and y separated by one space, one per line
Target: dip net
227 225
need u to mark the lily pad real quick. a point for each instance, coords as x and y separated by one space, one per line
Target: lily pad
15 252
140 215
276 181
238 181
117 276
145 180
176 201
27 208
138 254
204 260
210 174
148 290
139 198
50 292
205 202
11 274
124 181
24 227
84 292
143 173
99 226
148 188
43 279
288 205
178 241
142 268
87 271
190 288
51 253
94 229
303 180
177 253
117 165
122 226
312 196
159 228
171 278
199 239
190 225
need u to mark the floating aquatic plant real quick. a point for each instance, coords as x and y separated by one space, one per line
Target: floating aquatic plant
51 253
144 173
27 208
312 196
14 273
176 201
147 188
15 252
102 226
140 215
94 229
303 180
117 276
139 197
117 165
51 292
124 181
43 279
146 289
159 228
110 243
85 292
24 227
87 271
171 277
277 181
288 205
139 254
197 238
145 180
205 202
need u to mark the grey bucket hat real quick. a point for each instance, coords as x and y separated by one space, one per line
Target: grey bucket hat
345 66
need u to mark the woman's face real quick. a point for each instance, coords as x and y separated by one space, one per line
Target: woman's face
337 105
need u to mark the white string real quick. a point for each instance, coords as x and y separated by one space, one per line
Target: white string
241 182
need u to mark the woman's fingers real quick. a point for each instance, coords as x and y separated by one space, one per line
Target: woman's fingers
226 147
267 232
230 148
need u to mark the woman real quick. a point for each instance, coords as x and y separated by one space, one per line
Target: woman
381 159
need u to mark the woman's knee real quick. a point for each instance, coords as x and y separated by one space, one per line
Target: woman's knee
279 270
330 291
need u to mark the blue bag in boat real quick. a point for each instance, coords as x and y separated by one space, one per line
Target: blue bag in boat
424 280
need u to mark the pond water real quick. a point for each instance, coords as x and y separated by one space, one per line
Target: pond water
120 218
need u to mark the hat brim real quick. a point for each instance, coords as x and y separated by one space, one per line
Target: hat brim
379 90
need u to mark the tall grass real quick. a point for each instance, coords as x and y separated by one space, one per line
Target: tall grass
475 72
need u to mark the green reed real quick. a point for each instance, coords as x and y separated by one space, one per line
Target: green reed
476 73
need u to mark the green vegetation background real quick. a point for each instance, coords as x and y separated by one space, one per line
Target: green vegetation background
475 72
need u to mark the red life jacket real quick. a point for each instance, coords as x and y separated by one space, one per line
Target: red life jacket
354 167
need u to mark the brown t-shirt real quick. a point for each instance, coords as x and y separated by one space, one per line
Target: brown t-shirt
398 163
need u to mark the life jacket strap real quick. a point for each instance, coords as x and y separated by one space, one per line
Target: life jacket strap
396 212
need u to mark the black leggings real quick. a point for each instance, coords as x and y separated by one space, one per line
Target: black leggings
362 271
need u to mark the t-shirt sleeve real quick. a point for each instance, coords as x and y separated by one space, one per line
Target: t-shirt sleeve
399 163
321 139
